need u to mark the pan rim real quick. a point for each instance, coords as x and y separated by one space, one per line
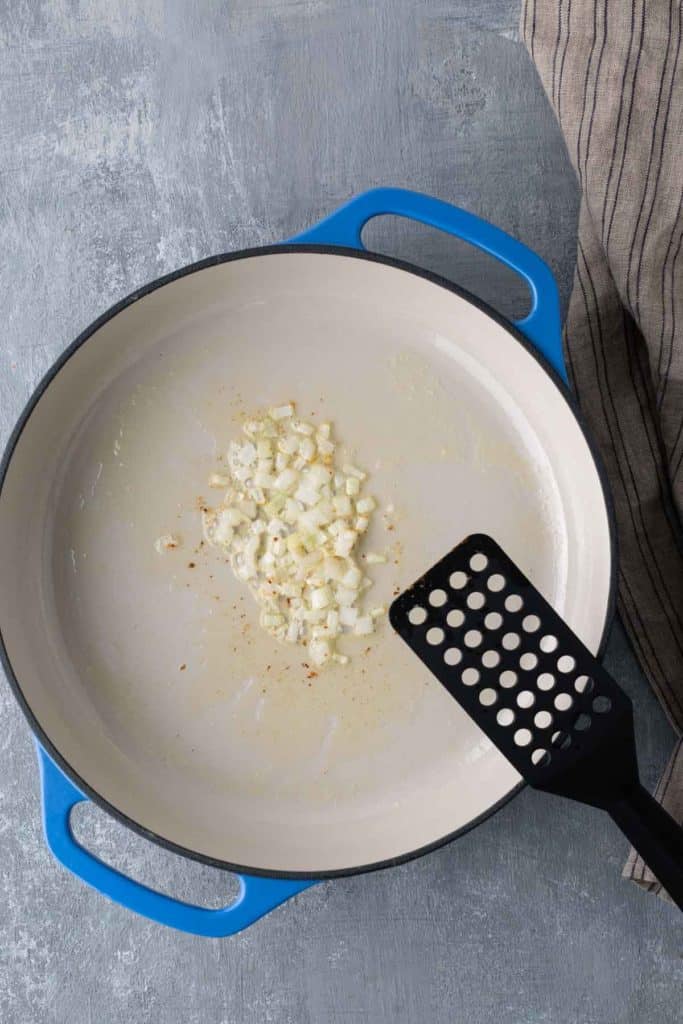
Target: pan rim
273 250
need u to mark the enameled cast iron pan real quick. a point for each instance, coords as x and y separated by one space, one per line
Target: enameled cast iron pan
466 425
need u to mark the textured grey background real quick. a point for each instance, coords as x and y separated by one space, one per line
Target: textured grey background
135 137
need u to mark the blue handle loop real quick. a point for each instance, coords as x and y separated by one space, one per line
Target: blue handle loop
542 326
257 896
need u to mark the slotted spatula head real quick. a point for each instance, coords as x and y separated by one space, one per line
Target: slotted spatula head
520 672
501 651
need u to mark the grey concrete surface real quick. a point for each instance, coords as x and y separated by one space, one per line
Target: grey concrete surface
138 136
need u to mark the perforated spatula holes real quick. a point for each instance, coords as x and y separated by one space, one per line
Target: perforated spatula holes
583 684
492 628
507 678
505 655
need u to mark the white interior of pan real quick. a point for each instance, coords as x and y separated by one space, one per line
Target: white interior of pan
240 756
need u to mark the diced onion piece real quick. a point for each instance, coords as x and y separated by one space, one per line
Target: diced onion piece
342 504
334 568
167 542
319 652
318 475
365 505
288 444
291 511
348 615
219 480
310 560
352 486
321 597
354 471
233 516
306 494
247 453
263 478
374 559
223 529
281 412
307 449
344 542
247 507
270 620
286 481
256 494
364 625
326 448
293 632
352 578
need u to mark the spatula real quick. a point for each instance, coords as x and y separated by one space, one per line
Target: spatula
540 696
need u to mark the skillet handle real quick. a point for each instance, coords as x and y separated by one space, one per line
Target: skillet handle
257 895
542 326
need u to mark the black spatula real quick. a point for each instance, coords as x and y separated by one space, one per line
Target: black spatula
529 683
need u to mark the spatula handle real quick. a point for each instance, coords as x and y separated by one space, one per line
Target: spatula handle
655 835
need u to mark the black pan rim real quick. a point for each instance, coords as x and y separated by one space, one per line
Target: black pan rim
274 250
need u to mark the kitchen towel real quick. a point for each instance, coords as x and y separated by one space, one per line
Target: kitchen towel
613 72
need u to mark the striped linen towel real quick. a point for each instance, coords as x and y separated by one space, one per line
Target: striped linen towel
613 72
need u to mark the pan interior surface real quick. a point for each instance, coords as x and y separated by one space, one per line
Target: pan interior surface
149 673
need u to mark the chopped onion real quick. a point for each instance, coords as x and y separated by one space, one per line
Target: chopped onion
352 578
167 542
307 449
354 471
344 542
321 597
319 651
282 412
342 505
290 523
348 616
219 480
364 625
